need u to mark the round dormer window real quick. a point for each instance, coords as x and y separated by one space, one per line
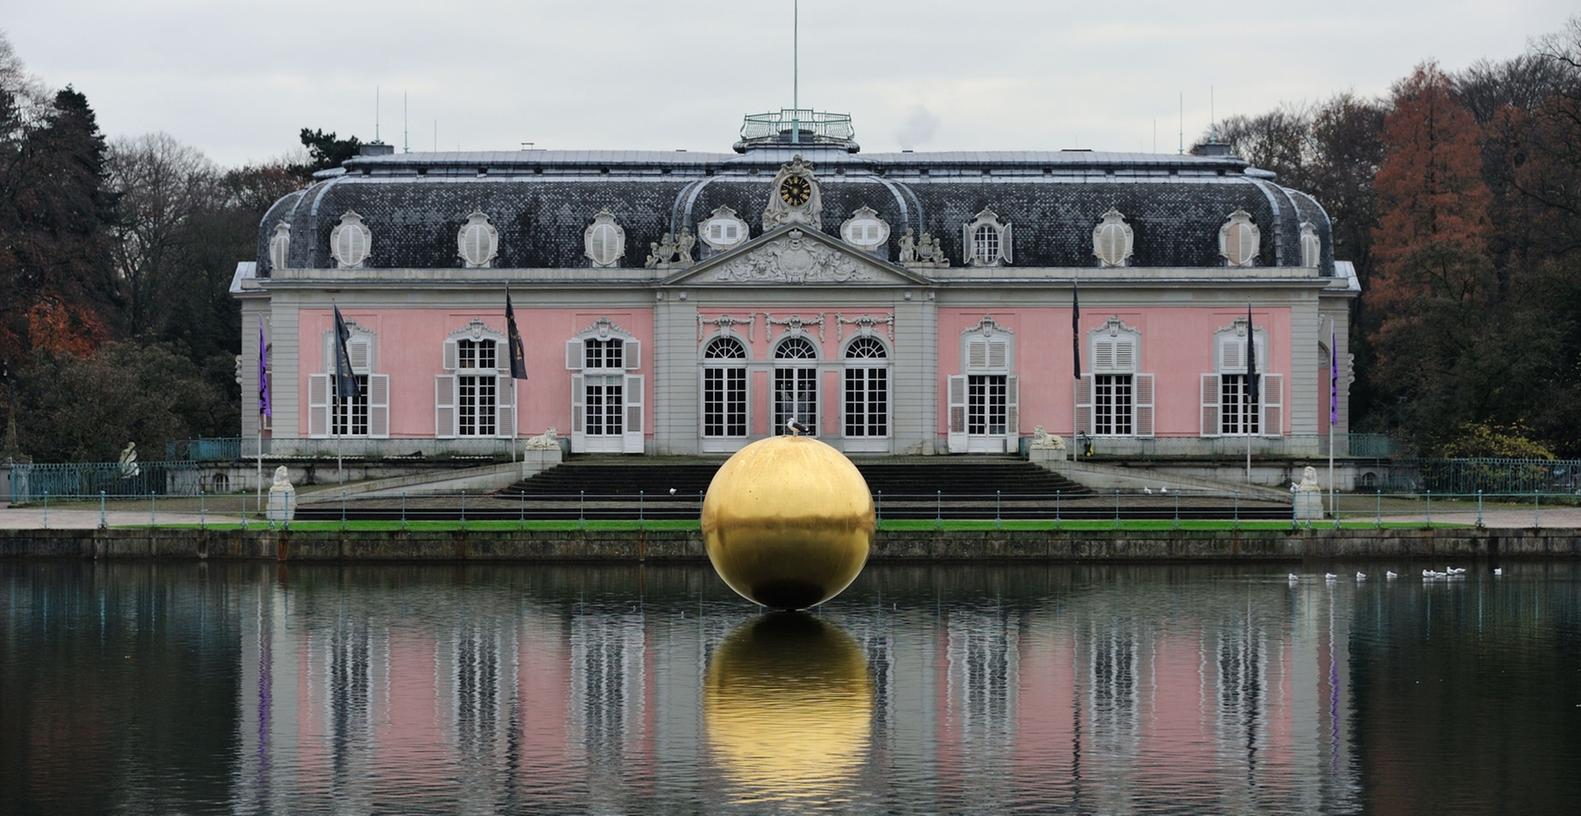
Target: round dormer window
723 229
350 242
865 229
604 242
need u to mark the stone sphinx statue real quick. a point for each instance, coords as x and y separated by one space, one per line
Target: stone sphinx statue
548 440
1309 480
1043 440
1307 496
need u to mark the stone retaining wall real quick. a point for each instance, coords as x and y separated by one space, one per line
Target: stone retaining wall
661 545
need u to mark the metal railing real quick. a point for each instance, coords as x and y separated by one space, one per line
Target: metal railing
29 482
1193 446
1149 509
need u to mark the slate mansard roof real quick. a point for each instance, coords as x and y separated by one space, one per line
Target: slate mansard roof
540 201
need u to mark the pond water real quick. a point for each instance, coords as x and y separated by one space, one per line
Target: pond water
250 688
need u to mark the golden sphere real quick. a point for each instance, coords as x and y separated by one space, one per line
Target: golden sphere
788 522
788 706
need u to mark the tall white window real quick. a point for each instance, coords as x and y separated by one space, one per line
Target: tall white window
724 389
795 384
332 414
1231 406
475 395
1115 399
606 396
477 378
983 399
866 389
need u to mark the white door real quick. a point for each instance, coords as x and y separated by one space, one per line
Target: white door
987 412
603 412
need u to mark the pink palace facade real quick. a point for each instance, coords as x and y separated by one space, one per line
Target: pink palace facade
899 303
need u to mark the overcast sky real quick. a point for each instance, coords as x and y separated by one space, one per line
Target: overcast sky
238 79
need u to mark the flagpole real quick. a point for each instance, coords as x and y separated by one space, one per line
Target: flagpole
516 393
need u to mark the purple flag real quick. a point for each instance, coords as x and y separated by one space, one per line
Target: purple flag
1333 378
263 373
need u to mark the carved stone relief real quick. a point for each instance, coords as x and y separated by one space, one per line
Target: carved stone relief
794 258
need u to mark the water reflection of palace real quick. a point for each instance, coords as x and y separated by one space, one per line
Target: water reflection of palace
1102 704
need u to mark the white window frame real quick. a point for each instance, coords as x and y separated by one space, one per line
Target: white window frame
987 350
447 384
795 369
633 396
1229 357
865 230
604 224
1311 245
1115 350
1240 240
868 369
976 255
362 347
725 367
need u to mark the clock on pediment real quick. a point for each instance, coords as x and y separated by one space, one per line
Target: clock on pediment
794 198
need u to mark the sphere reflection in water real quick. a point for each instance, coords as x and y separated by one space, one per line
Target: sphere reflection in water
788 522
788 706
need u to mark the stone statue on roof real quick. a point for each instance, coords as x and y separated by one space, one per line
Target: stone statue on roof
908 247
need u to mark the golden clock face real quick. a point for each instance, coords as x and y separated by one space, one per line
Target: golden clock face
795 191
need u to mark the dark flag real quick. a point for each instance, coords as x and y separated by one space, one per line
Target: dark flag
346 386
518 357
1075 328
263 372
1333 378
1251 359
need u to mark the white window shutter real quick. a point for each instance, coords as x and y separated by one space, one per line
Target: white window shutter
379 406
574 350
1210 405
449 362
631 438
505 406
1005 251
633 355
502 355
957 414
1143 405
998 354
361 353
445 406
578 396
1012 414
1125 356
318 405
976 354
1083 413
1232 355
1273 388
1103 356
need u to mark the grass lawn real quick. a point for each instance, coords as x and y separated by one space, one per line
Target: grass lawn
895 525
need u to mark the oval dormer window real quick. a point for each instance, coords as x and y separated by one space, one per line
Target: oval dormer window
280 247
1112 240
477 242
1238 240
604 241
350 242
865 229
723 229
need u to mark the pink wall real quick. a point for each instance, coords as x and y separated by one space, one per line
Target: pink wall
409 347
1177 348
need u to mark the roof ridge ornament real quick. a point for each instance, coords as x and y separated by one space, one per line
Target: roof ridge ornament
794 197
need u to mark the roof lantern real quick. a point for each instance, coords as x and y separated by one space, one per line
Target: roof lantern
797 127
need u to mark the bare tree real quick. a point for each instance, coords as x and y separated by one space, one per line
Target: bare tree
164 186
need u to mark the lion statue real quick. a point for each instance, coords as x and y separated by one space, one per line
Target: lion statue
1043 440
548 440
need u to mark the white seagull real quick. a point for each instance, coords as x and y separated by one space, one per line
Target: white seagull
1427 573
1454 570
1330 577
1497 571
672 491
1293 578
1361 576
1147 490
1390 575
1164 489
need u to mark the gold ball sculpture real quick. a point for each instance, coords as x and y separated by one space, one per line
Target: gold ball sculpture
788 707
788 522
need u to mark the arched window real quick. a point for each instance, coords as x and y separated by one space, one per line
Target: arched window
983 400
1239 239
368 413
985 240
795 384
1232 405
1311 245
725 389
866 389
604 241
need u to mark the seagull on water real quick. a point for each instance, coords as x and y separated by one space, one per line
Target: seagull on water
1497 571
1391 575
1431 574
1293 578
1330 577
1164 489
672 491
1454 570
1361 576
